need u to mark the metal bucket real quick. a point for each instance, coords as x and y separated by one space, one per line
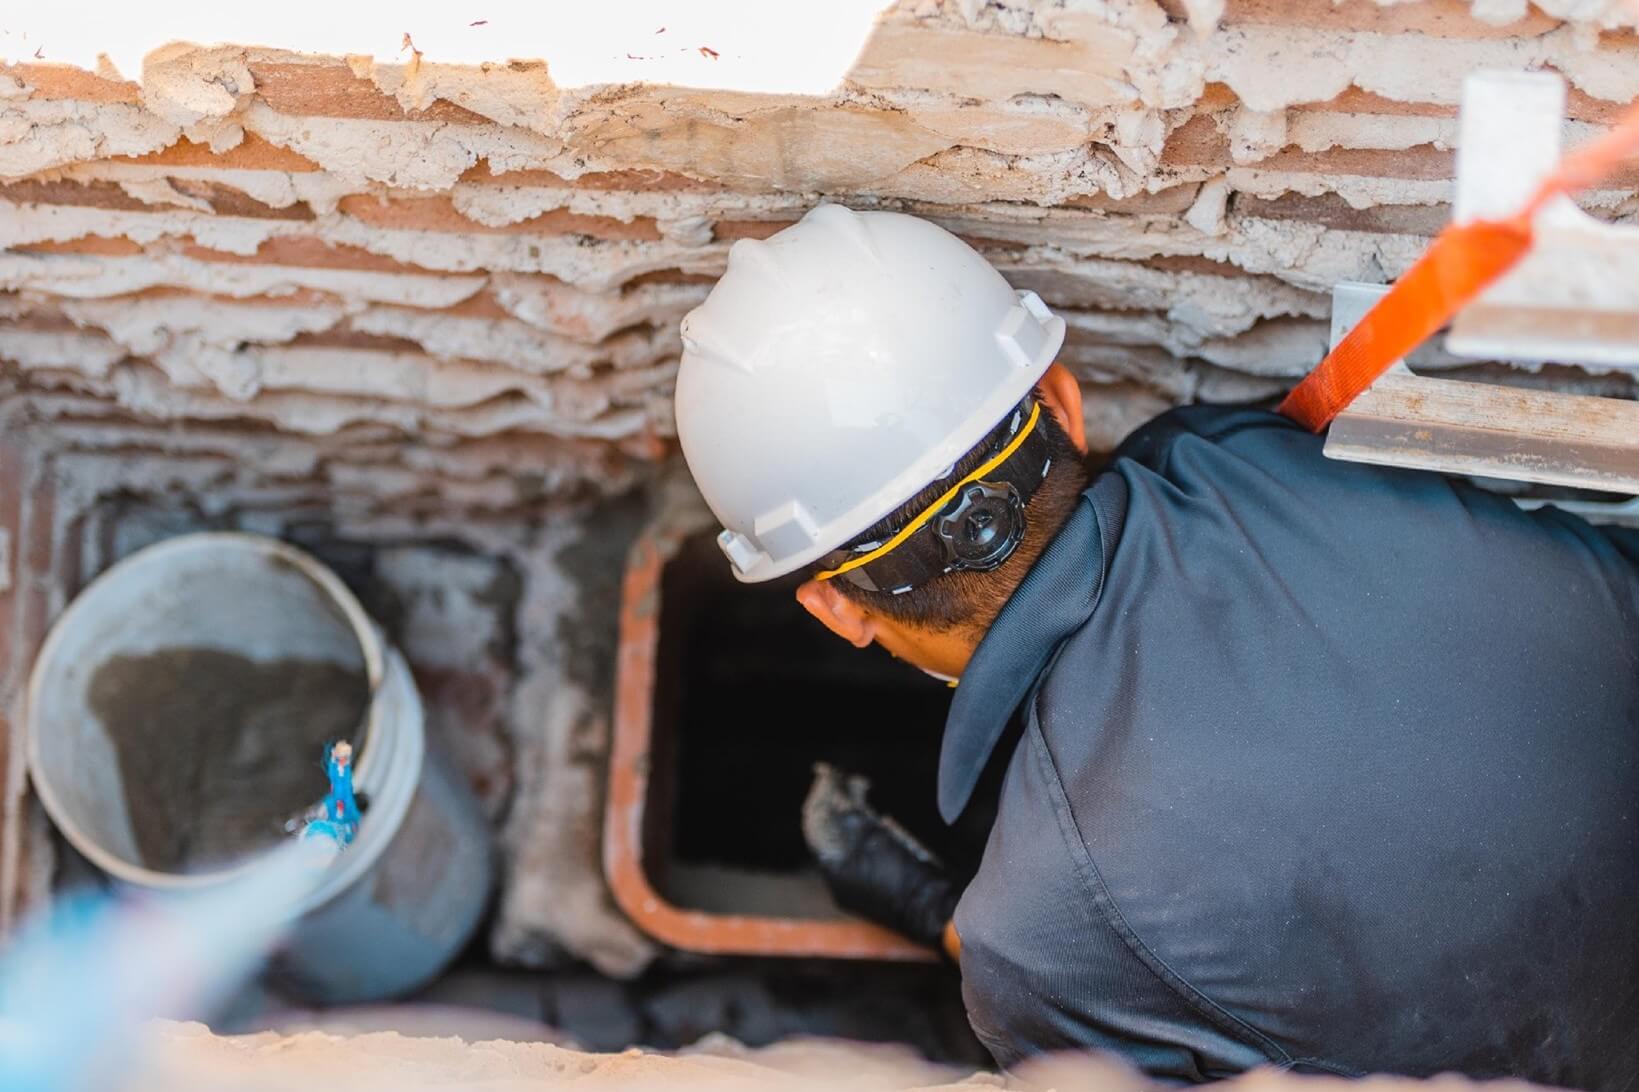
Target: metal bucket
406 896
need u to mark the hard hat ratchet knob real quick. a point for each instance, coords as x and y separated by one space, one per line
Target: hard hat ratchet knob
982 527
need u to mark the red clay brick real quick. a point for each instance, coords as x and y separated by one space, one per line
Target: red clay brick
100 245
1199 143
1584 107
1215 97
1423 162
61 81
101 195
1356 101
1196 142
1172 200
333 91
1580 106
1192 263
223 200
647 180
1436 18
440 214
253 153
309 252
227 201
480 305
356 339
300 297
1330 210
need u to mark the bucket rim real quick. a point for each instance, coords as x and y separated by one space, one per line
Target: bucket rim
359 622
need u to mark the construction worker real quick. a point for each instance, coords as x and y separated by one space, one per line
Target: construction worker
1283 761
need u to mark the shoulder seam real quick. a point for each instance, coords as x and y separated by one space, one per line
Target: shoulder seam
1113 917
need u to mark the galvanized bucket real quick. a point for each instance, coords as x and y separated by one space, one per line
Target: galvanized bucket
404 899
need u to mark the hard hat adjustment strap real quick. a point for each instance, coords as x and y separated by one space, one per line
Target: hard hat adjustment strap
974 525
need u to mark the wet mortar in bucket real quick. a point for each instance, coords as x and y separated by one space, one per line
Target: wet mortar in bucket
177 716
217 752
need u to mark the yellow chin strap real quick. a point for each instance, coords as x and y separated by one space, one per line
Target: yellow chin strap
945 498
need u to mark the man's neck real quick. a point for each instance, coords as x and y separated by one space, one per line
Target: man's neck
944 653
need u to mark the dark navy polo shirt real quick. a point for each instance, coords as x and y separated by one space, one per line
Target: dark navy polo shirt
1322 765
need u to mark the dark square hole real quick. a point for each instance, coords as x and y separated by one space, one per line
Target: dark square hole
750 693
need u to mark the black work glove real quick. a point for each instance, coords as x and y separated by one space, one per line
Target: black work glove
873 866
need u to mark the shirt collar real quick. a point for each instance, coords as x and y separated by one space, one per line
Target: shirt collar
1056 598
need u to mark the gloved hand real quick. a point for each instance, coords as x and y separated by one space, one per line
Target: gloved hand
873 866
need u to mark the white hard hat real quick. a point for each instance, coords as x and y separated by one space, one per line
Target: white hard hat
838 368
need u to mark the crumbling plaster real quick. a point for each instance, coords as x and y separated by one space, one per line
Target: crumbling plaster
416 302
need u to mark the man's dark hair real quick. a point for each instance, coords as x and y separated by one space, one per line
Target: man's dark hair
971 600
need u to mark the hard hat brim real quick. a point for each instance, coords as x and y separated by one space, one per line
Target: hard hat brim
918 475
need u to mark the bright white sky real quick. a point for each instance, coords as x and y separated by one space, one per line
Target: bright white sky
761 45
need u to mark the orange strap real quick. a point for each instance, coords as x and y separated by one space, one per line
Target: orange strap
1461 262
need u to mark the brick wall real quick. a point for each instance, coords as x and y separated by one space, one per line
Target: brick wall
357 252
413 302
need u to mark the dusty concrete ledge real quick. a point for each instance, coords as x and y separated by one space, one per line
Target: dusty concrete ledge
189 1056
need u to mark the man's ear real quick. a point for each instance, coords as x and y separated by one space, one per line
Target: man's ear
1062 394
839 614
